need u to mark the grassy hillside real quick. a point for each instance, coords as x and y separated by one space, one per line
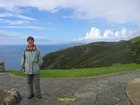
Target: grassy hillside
135 40
93 55
84 72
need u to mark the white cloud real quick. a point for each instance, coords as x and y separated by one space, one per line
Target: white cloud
12 38
108 33
16 20
24 17
95 35
115 10
7 37
23 27
13 22
9 18
5 14
19 16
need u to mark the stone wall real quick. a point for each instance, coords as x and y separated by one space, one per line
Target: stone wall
2 65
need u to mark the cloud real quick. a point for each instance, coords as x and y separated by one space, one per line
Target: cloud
41 39
95 35
115 10
4 36
12 38
13 22
19 18
22 27
16 15
24 17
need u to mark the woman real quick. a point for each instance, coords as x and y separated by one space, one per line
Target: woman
31 62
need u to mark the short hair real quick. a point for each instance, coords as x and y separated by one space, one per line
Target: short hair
30 38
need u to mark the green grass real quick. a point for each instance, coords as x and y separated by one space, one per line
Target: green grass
2 71
85 72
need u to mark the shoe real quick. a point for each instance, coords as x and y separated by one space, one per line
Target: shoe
39 97
31 96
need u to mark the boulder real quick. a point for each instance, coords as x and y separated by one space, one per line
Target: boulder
11 97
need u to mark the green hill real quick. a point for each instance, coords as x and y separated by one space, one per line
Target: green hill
92 55
135 40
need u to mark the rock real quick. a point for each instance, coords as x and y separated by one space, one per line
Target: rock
2 65
11 100
11 97
3 95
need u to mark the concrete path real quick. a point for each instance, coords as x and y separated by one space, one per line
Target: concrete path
102 90
133 91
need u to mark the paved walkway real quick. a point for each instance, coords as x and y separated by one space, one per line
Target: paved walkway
102 90
133 91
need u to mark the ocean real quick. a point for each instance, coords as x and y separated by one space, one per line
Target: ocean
11 54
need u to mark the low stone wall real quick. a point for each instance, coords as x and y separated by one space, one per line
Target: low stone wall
2 65
11 97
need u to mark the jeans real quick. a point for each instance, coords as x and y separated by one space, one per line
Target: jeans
33 82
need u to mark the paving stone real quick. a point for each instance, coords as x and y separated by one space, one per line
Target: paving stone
100 90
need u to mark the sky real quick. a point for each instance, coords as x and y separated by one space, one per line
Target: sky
68 21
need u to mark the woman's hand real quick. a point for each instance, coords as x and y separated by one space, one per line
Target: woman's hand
23 69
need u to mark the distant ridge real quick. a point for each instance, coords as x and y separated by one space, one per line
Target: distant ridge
96 54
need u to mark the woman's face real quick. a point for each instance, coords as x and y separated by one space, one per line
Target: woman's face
30 41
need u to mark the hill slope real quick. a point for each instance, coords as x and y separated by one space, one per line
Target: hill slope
97 54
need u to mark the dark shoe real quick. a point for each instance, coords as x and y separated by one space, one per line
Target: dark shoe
31 96
39 97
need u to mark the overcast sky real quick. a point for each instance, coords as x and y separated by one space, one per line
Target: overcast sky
68 21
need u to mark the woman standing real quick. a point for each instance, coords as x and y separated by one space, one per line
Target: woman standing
31 62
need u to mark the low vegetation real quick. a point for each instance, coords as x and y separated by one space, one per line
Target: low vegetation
99 54
83 72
